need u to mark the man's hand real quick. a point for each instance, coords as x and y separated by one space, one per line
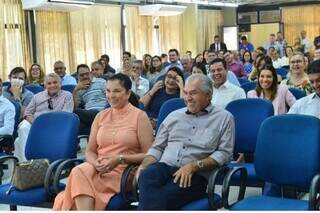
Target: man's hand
185 174
83 85
16 91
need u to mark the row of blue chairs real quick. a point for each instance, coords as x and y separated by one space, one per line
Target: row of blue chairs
36 88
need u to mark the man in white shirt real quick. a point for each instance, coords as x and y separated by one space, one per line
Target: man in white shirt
305 42
310 105
60 69
7 120
140 85
223 91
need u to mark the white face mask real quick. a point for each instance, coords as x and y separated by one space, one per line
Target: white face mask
17 82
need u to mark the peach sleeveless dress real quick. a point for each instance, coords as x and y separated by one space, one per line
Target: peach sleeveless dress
115 132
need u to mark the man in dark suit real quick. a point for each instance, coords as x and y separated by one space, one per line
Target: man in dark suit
218 45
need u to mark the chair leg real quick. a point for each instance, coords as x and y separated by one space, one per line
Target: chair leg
13 208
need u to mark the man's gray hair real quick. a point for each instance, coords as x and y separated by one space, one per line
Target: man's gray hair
206 84
52 75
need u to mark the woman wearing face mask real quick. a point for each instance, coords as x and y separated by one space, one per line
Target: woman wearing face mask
36 75
268 88
297 76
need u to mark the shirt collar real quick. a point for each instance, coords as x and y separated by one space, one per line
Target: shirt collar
314 95
225 85
204 111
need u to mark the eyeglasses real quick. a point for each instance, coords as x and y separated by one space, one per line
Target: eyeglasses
50 105
172 77
296 62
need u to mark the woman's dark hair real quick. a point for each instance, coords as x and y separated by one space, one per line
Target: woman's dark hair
176 70
18 70
134 99
82 66
285 50
250 60
274 85
153 69
123 79
265 58
262 50
198 55
200 66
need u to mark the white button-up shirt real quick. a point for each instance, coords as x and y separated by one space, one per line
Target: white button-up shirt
226 93
7 116
309 105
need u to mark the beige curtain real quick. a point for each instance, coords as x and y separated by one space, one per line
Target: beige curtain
189 22
170 33
52 36
210 23
14 48
139 32
93 32
300 18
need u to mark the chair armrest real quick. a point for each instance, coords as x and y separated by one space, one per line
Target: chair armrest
124 183
214 175
314 190
227 182
63 170
49 177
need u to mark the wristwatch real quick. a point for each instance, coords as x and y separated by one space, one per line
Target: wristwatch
121 159
200 164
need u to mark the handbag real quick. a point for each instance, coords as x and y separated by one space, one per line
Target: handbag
29 174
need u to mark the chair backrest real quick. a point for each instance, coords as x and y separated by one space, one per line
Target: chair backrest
34 88
68 87
248 116
53 136
16 118
288 150
168 107
297 93
248 86
282 72
243 80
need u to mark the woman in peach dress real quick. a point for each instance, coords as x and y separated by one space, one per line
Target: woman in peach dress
119 136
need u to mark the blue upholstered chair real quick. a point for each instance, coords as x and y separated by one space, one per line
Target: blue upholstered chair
287 154
168 107
297 93
34 88
243 80
248 116
283 72
68 87
53 136
248 86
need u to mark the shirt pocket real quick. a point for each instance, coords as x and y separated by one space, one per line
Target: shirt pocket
208 138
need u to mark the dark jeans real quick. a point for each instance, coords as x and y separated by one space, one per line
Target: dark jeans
158 192
86 117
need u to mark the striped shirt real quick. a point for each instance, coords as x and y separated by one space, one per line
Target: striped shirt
94 98
43 102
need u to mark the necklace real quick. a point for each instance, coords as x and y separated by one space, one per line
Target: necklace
114 132
114 123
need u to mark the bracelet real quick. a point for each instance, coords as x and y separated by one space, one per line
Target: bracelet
121 159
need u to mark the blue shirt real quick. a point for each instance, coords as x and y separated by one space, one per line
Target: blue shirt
26 95
248 47
157 100
7 116
247 67
68 79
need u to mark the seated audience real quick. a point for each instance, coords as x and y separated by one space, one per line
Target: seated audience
297 76
276 61
107 68
7 122
53 99
186 62
170 87
126 64
205 57
198 58
298 46
120 135
156 69
258 64
60 69
97 71
89 96
164 60
199 68
310 105
245 45
287 55
36 75
247 62
147 58
233 65
268 88
174 60
140 85
223 91
16 91
190 143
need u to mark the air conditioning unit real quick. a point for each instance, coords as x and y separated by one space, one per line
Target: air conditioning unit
57 5
161 10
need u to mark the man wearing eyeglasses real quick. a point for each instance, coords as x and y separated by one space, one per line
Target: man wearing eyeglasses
53 99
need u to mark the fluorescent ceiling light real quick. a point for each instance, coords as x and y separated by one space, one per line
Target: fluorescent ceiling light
205 2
